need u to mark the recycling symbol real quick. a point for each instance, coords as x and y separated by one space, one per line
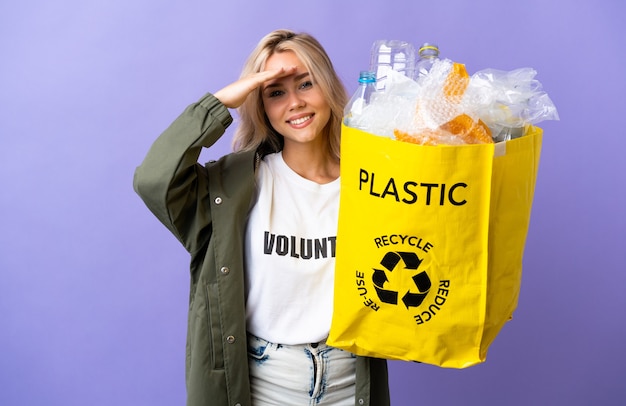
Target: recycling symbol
393 261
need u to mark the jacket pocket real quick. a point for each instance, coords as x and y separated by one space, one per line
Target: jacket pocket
214 337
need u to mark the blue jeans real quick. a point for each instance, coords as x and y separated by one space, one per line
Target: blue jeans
300 375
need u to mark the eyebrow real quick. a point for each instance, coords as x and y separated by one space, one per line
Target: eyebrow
295 79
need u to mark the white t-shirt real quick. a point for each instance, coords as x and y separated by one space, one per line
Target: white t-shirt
290 255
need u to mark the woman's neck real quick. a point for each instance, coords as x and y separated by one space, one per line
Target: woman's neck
313 163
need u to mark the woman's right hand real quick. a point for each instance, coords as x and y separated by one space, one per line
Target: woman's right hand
233 95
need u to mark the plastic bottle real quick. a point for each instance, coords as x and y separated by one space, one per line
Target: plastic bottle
428 54
392 54
361 98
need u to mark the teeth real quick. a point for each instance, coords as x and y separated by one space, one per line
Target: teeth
300 120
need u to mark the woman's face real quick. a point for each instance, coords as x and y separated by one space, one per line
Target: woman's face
294 104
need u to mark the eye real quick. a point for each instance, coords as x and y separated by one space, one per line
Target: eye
306 84
271 93
274 93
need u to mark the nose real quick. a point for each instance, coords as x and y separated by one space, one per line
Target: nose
295 101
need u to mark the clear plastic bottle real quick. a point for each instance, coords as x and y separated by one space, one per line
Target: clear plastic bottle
428 54
353 112
391 54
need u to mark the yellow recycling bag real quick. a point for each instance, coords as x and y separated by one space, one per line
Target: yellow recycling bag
429 245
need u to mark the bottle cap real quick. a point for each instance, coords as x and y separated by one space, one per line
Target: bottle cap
367 77
433 48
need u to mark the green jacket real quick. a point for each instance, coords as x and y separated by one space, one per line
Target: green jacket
206 208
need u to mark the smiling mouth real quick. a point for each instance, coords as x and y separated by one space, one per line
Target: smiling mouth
300 120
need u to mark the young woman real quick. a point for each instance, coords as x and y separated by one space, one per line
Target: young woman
260 225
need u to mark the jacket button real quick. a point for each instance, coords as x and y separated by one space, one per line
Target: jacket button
218 200
361 402
230 339
225 270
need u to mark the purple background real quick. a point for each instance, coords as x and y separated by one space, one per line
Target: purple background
93 290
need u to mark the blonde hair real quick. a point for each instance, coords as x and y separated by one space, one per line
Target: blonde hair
255 131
